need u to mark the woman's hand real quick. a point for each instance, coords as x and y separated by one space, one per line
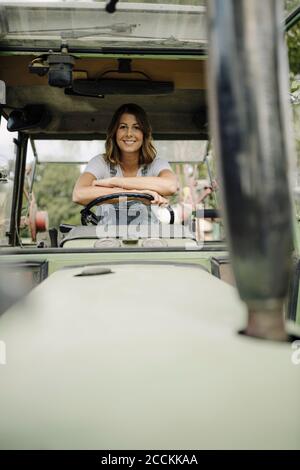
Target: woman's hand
165 184
157 198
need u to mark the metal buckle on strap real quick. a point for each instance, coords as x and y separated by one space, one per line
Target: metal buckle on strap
112 170
144 170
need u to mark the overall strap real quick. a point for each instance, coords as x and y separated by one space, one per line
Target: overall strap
112 170
144 170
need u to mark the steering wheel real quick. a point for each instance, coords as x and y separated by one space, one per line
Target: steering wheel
88 217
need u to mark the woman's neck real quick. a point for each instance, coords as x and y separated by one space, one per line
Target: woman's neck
130 162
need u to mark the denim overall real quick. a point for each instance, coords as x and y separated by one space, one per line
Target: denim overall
124 213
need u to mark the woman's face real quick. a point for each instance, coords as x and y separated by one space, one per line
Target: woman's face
129 135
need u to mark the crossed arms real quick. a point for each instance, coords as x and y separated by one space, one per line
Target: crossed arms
88 187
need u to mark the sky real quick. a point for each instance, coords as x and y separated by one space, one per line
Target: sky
74 151
6 143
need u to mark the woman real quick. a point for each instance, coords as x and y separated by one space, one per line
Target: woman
129 163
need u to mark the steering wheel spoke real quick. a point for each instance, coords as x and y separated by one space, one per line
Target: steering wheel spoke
88 217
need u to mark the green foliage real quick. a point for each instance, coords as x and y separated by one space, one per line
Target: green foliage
290 5
293 39
53 192
293 43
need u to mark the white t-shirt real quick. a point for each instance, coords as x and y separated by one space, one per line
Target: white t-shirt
101 169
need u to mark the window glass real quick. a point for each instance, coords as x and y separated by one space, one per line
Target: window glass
59 168
293 43
67 151
168 24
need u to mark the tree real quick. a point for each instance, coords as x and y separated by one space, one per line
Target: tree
53 192
293 40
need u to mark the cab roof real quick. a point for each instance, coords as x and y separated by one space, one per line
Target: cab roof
159 42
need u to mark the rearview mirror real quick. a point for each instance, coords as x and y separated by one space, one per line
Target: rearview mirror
32 116
112 86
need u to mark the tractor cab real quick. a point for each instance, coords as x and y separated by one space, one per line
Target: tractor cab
134 326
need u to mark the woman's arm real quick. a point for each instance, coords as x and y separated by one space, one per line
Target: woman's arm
165 183
84 191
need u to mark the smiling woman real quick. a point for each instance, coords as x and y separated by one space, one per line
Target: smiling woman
131 336
129 163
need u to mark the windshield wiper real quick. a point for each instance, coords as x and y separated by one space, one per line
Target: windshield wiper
118 28
81 32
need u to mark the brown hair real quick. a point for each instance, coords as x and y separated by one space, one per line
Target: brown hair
112 152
